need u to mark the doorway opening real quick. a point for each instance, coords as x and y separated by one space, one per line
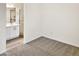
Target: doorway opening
14 25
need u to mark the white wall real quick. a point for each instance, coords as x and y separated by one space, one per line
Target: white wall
31 22
2 27
61 22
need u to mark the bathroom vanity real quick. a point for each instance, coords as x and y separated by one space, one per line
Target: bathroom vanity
12 31
12 26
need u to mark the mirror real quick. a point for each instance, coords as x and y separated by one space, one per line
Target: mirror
12 15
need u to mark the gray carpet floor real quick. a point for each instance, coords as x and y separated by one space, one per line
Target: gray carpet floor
43 47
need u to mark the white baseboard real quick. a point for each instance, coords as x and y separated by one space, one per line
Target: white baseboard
3 51
32 39
58 39
63 41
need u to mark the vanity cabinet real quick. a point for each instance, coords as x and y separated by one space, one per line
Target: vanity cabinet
12 31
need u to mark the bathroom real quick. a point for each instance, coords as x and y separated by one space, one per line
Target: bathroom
14 24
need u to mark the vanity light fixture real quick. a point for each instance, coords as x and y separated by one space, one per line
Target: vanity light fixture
10 5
